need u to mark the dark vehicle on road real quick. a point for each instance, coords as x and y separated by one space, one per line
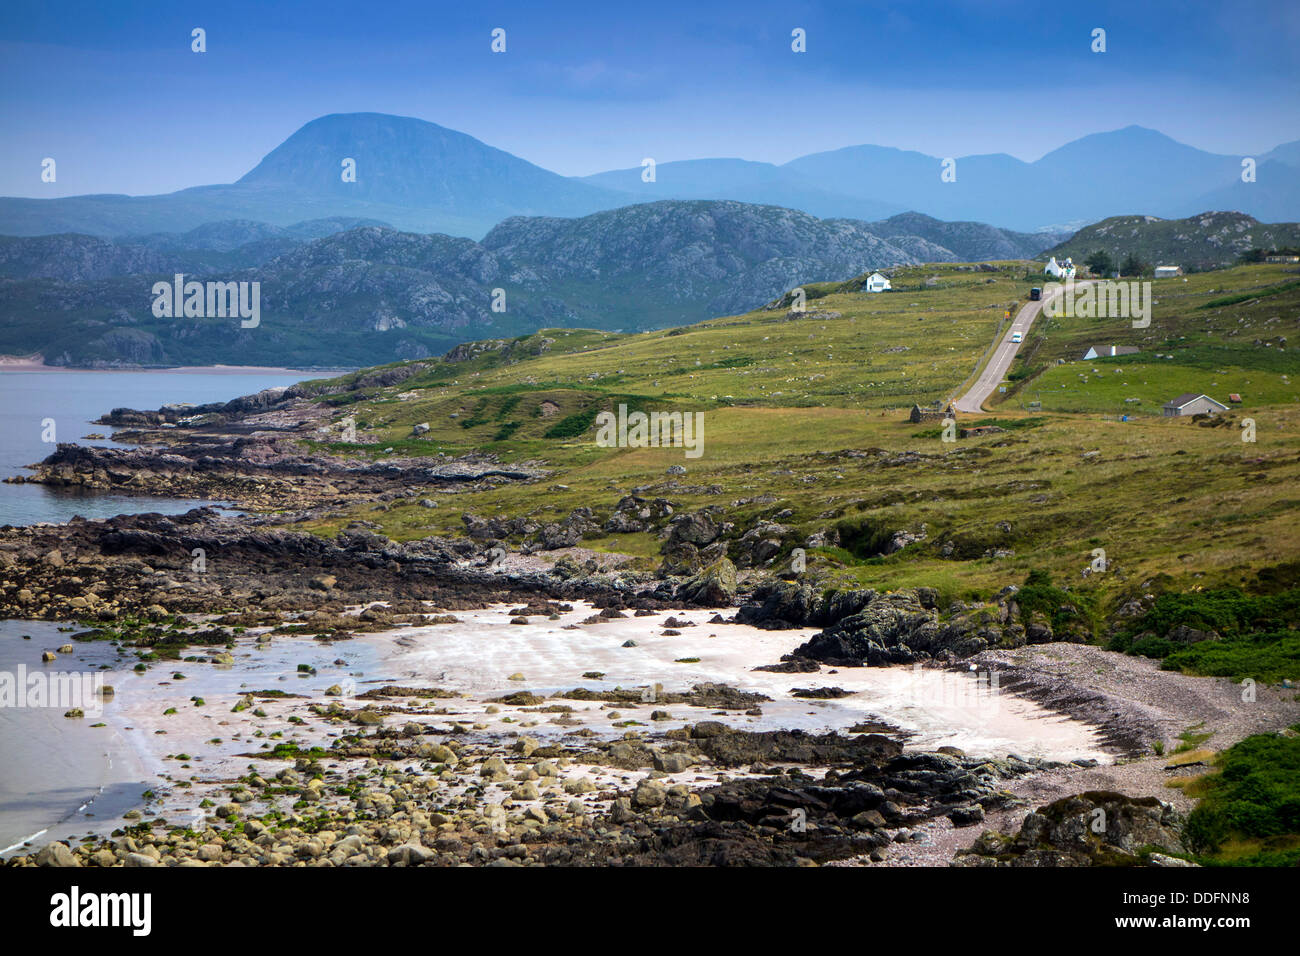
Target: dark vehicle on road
1035 293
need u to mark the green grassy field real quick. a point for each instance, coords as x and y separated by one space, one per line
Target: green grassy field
806 414
805 423
1109 386
1214 332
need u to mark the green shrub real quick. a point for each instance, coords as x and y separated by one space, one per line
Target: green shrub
1253 795
1063 608
571 426
864 537
1258 637
1271 657
1248 296
508 406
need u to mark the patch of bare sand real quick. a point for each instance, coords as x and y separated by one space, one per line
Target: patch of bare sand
1135 704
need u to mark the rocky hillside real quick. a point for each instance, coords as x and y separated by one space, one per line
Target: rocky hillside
371 295
970 241
231 234
1208 241
233 244
71 257
702 258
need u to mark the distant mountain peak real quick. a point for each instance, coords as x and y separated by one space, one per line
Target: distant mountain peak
416 164
378 142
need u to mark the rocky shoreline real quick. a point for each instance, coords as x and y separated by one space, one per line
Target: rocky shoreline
399 779
410 776
385 814
416 775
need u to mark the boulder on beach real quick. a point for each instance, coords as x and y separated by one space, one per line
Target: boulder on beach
714 586
1097 828
56 854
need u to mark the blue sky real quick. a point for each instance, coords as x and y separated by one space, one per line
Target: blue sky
112 91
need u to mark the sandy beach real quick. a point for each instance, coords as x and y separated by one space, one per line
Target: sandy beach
483 657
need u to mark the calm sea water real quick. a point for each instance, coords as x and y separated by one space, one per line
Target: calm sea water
64 777
73 400
58 776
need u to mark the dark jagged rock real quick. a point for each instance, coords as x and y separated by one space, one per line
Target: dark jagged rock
820 693
900 627
798 666
254 470
1097 828
731 748
781 605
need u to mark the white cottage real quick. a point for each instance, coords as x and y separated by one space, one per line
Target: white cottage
877 283
1059 270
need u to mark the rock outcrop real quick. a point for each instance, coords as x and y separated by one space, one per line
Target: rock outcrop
865 627
1097 828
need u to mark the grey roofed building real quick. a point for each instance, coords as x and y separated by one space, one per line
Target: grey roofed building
1106 351
1193 403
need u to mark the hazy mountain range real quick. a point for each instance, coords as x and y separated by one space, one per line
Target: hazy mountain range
1104 174
368 295
404 262
421 177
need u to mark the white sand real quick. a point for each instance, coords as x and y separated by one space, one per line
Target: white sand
477 656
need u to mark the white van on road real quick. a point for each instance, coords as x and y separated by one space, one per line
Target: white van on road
1015 336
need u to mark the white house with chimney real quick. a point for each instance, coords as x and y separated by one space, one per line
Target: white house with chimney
876 283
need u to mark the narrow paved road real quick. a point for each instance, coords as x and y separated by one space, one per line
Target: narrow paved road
1006 350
